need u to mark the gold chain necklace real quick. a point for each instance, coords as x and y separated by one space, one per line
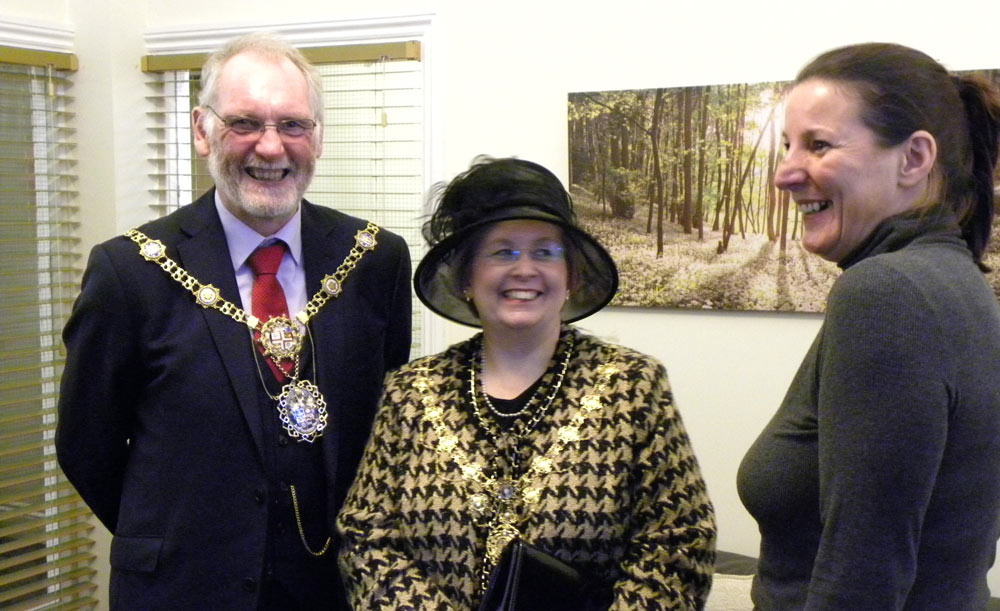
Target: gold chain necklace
301 406
520 428
530 403
505 501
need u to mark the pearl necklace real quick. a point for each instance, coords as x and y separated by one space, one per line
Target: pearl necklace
535 397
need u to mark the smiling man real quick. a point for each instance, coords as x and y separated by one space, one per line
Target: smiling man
224 362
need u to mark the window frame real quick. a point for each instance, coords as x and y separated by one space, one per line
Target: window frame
50 557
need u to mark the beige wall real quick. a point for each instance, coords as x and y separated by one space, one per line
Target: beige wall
500 79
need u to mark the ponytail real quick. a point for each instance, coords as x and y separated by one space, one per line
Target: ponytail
982 109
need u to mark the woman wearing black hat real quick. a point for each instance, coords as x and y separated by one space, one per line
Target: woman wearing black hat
530 433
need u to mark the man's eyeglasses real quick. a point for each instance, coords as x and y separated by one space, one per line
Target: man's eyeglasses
247 126
508 256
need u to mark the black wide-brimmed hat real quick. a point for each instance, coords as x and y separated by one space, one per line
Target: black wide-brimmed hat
495 190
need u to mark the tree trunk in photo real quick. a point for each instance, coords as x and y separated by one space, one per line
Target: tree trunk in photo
735 196
638 160
595 144
746 170
654 137
725 197
719 183
702 145
651 194
748 204
676 129
614 148
771 203
577 141
783 199
726 143
675 182
795 213
685 167
720 147
625 140
603 191
741 209
757 207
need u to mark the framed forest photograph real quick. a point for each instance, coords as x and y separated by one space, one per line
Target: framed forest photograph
677 183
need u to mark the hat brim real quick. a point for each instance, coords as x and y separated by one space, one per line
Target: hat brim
594 273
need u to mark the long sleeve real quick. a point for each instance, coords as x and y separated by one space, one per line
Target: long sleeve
670 552
98 389
883 413
398 335
378 569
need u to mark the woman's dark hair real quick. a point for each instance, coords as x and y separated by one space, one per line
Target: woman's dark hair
903 90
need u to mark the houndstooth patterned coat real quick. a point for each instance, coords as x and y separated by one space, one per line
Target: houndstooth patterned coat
610 486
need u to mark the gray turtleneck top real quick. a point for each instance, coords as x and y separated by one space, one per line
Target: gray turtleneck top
876 485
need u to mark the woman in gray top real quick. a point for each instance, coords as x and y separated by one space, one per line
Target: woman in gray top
877 483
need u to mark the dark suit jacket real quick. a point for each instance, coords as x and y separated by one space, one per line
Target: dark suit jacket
159 422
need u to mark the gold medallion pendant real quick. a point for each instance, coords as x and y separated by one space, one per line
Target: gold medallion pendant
501 534
302 410
281 338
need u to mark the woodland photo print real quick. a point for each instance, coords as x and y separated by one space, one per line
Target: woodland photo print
677 184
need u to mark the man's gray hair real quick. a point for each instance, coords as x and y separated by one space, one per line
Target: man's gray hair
268 45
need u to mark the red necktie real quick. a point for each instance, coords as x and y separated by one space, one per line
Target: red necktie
268 298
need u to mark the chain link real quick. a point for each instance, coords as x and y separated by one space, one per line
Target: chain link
520 428
302 534
209 297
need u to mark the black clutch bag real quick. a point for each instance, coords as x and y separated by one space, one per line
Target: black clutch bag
528 579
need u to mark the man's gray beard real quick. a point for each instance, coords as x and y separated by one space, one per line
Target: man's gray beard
232 185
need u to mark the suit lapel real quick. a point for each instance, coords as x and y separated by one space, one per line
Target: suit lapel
205 255
324 246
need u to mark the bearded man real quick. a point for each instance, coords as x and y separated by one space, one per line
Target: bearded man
224 362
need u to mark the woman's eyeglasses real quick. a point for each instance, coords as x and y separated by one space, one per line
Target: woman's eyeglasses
508 256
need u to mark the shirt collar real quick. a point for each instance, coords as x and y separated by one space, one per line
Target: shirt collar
243 240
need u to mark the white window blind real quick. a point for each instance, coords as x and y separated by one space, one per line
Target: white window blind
373 148
45 546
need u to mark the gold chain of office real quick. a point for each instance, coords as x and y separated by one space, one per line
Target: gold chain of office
301 407
208 296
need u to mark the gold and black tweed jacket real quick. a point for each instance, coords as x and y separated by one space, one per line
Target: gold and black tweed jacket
613 488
